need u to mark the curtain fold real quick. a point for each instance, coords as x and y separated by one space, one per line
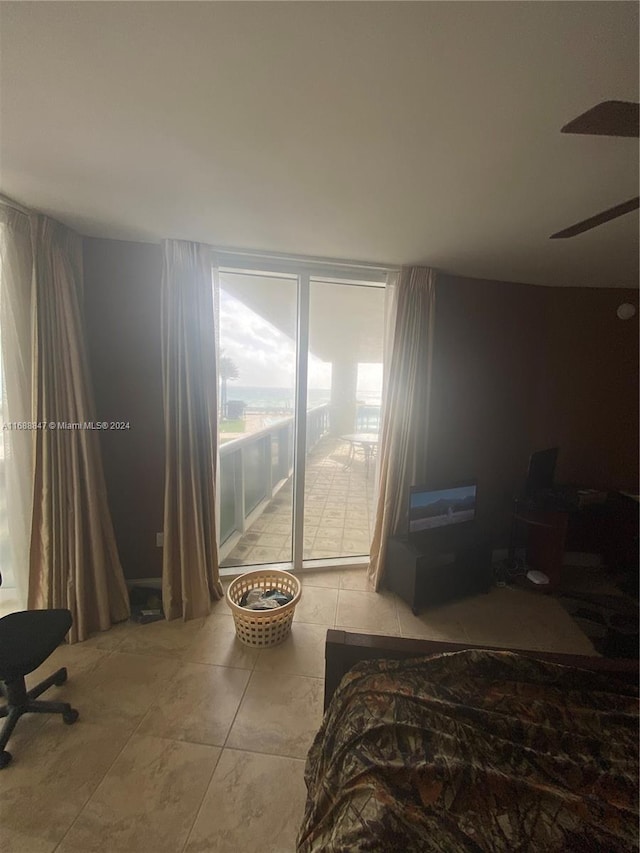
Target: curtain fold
190 574
405 418
16 446
74 560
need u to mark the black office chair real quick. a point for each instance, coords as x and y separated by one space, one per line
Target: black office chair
27 639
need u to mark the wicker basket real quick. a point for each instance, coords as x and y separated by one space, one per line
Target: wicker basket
263 628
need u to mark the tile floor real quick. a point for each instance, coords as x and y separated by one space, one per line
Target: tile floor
189 741
339 493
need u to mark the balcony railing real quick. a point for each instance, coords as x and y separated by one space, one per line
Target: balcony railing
254 467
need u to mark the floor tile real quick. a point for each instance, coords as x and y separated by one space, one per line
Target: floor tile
121 689
147 801
220 606
424 627
29 725
502 636
265 555
367 611
162 638
355 579
506 617
487 620
20 842
279 714
554 630
355 547
328 578
317 606
200 706
323 543
302 653
244 811
108 641
52 776
217 643
336 514
273 540
331 529
313 514
79 660
566 639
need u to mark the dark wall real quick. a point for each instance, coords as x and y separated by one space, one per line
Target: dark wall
486 361
518 368
122 316
589 404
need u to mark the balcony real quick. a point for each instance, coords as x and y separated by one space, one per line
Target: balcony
256 494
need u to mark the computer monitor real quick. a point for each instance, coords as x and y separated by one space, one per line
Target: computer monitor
542 466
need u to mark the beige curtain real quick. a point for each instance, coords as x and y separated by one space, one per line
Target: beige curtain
74 560
190 578
16 446
405 418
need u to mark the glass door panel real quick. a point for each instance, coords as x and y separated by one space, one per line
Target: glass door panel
343 417
257 374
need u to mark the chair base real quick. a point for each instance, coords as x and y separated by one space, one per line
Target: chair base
22 701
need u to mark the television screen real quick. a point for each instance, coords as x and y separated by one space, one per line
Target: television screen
434 508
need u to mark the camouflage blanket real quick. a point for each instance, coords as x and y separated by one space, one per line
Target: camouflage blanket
472 751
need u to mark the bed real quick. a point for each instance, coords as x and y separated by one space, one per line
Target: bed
436 746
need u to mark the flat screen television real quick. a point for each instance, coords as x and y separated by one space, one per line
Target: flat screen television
440 508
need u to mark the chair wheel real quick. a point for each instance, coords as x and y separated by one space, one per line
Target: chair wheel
5 758
62 677
70 716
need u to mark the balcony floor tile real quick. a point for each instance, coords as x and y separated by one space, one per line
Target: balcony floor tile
338 512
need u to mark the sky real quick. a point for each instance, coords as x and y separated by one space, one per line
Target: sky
266 357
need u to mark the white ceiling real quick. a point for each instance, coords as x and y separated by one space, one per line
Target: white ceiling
386 132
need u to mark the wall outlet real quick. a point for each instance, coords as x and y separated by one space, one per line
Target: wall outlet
159 540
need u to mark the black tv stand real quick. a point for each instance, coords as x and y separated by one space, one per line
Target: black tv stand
432 570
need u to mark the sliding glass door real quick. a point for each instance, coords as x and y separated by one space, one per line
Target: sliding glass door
257 376
345 383
300 375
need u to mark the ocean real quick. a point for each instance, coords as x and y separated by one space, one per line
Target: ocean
282 399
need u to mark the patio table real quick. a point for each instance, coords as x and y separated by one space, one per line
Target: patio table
366 441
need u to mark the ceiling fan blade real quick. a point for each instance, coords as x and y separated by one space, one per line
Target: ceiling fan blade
610 118
598 219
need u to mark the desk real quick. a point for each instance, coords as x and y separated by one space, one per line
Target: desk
367 441
608 527
546 533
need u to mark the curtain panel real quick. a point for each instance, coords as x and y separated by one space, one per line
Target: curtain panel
190 574
16 446
405 418
74 560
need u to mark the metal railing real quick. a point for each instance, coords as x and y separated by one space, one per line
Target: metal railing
254 467
367 418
